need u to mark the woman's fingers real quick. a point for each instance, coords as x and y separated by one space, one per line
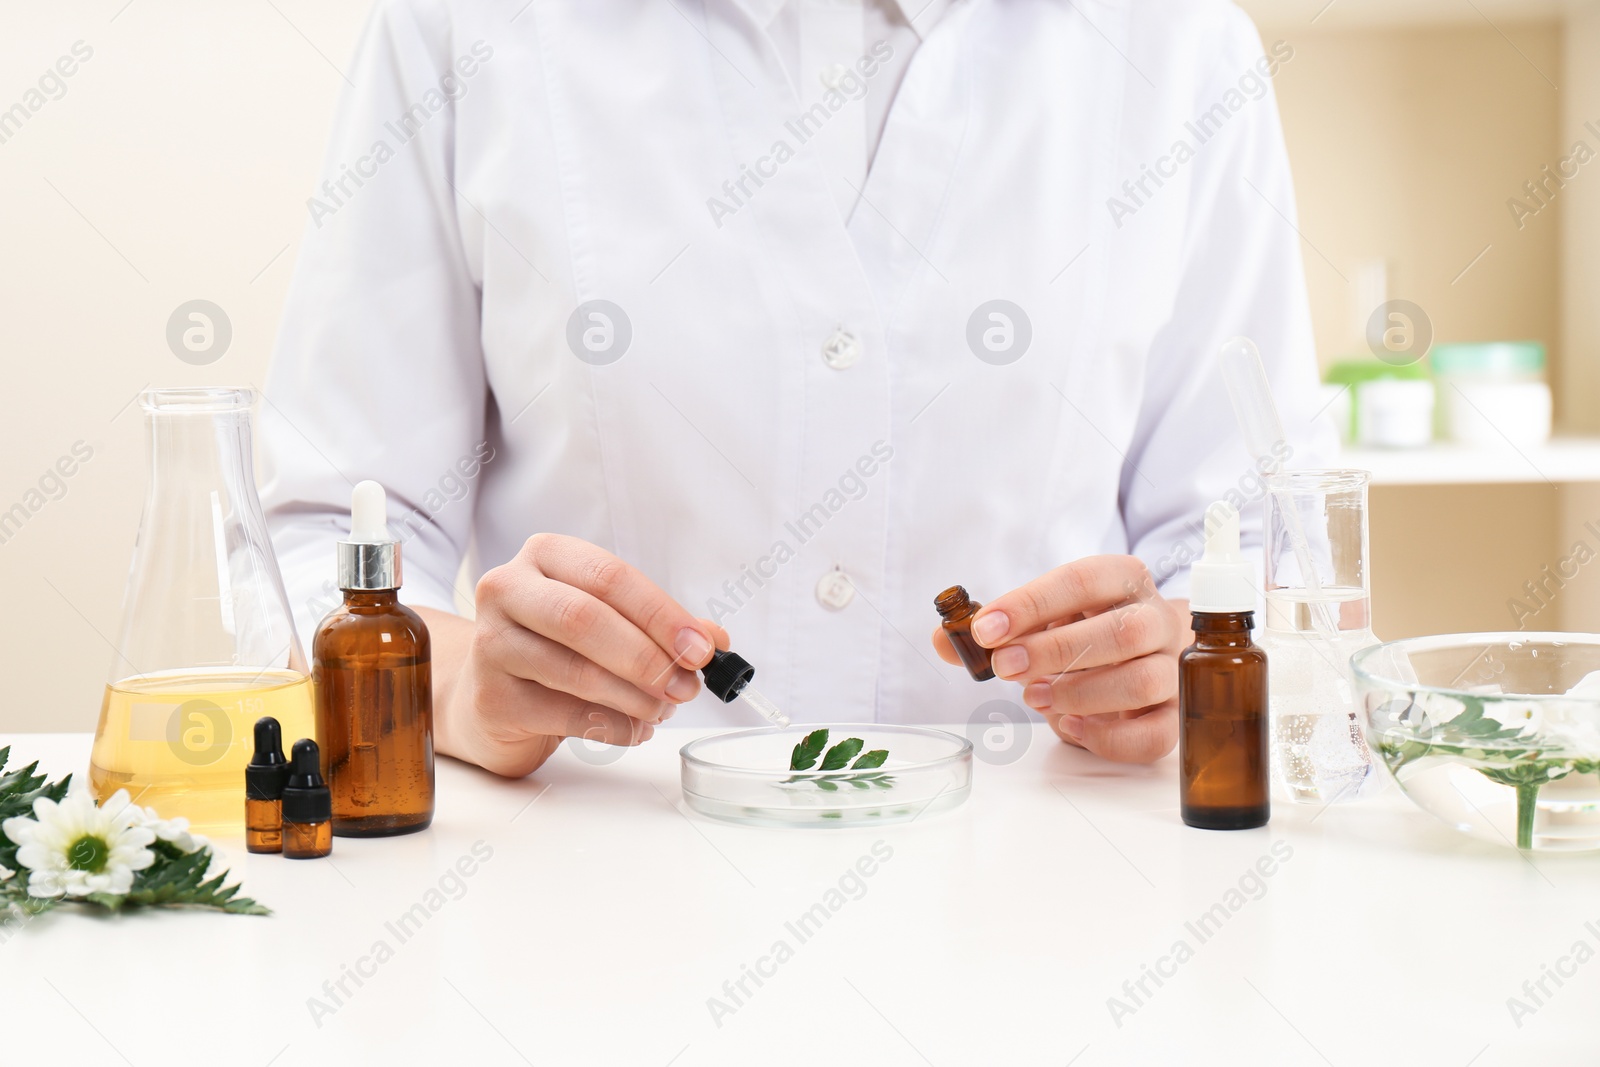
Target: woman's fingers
516 724
719 637
576 618
1125 737
624 589
1115 636
1081 587
533 656
1139 683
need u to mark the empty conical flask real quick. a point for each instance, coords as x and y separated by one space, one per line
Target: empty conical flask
207 644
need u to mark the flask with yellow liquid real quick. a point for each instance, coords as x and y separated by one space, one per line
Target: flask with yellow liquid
207 644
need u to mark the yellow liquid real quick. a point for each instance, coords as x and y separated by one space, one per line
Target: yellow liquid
178 741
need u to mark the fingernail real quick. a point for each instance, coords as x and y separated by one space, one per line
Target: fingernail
991 627
1072 726
667 712
682 686
1038 696
692 647
1010 661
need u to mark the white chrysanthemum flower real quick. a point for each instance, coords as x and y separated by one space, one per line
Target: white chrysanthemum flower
1525 716
174 831
6 873
75 848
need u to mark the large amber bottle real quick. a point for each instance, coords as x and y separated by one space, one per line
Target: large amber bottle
372 672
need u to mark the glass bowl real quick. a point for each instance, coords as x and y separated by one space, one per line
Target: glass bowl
1497 734
744 776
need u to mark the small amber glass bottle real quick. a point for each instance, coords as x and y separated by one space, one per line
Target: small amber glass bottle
307 840
1222 691
1222 738
372 674
307 809
264 778
956 610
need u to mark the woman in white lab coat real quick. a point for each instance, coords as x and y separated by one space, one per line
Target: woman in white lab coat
773 318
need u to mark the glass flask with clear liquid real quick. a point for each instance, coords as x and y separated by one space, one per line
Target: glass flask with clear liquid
207 644
1314 623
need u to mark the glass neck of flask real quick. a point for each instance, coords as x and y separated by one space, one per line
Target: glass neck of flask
204 590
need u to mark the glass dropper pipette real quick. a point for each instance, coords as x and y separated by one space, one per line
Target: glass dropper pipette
728 677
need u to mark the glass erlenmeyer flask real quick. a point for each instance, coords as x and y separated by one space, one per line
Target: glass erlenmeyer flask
207 644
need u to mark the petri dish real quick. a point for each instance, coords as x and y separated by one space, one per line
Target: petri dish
744 777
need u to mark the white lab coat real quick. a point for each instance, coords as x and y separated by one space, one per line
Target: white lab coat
798 397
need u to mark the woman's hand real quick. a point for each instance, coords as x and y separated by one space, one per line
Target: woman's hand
1096 650
569 641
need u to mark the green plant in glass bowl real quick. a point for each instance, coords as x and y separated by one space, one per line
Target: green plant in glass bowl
1496 734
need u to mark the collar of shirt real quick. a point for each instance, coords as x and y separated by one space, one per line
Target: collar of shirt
821 41
922 15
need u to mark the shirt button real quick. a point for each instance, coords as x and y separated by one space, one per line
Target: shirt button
841 350
833 75
835 590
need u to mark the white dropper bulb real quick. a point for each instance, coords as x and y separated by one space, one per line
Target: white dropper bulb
1221 581
1222 533
369 514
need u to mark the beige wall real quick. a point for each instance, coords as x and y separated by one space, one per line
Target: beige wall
1580 206
1447 559
1406 145
175 167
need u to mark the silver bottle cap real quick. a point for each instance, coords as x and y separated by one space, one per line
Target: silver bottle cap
369 565
370 559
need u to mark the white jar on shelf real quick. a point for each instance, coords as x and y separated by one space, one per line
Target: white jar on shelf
1493 393
1394 413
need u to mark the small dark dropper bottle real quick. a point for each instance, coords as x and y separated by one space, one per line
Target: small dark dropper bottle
1222 690
307 806
956 609
264 778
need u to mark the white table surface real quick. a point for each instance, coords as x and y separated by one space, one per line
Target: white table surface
607 915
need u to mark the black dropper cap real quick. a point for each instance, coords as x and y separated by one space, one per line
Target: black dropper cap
267 770
306 798
726 674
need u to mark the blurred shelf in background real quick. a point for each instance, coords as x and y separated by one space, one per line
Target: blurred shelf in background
1569 459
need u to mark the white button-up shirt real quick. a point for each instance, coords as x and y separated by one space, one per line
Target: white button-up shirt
584 270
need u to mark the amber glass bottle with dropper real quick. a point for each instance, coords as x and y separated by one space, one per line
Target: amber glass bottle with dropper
307 809
264 779
371 665
1222 690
